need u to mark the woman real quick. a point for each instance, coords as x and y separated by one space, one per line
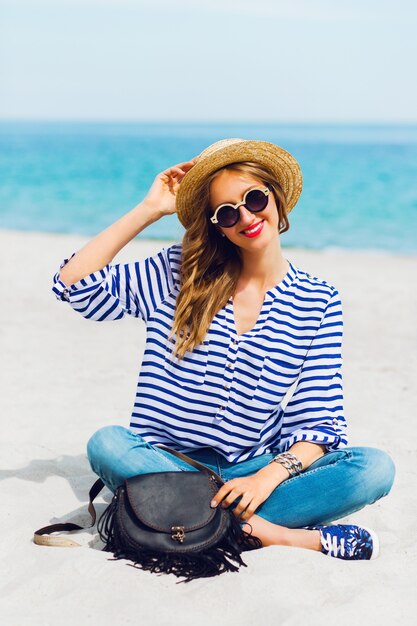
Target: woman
233 328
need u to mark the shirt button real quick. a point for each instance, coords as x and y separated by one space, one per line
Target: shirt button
221 408
235 341
229 365
335 422
225 386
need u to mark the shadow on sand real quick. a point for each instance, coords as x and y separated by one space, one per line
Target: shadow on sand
77 472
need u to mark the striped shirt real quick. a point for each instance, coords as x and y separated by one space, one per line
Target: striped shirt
233 392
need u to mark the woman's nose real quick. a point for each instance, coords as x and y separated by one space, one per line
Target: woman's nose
246 217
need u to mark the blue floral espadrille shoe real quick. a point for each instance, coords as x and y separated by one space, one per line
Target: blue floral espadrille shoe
348 542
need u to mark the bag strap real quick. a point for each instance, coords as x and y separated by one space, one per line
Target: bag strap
42 538
196 464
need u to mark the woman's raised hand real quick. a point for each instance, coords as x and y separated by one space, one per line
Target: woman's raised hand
163 191
98 252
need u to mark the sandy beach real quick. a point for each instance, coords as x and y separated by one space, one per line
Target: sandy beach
63 377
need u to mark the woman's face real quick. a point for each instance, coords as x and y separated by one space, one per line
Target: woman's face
229 187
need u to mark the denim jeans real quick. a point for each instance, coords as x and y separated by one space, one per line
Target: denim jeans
337 484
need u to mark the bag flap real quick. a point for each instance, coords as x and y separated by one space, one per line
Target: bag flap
162 500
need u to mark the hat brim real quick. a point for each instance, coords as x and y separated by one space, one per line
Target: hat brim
278 161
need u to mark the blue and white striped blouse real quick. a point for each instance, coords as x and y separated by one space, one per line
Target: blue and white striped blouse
228 393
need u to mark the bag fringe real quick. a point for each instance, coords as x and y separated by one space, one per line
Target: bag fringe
221 558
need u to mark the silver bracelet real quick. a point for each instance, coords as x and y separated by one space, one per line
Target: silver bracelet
297 466
291 463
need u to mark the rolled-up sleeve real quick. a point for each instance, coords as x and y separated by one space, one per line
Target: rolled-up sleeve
110 293
315 411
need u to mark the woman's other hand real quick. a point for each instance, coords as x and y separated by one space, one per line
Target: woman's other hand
253 491
163 191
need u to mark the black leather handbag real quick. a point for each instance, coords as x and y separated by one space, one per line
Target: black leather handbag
163 522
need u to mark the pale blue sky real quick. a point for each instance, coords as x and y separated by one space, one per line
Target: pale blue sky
219 60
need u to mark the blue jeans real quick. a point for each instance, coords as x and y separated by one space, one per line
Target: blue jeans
339 483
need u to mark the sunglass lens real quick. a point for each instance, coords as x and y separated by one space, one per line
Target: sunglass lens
256 200
227 216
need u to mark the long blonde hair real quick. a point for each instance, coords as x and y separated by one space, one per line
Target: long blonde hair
211 264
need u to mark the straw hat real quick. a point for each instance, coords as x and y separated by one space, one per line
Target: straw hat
279 162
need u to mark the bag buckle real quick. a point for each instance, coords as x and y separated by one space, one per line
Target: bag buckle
178 533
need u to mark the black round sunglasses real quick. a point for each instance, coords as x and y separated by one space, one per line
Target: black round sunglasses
254 200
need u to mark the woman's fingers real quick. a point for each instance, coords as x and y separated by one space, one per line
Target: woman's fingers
173 170
175 174
165 186
242 505
182 167
186 166
222 492
232 496
252 507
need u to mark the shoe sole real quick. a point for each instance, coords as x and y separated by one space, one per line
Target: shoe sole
375 542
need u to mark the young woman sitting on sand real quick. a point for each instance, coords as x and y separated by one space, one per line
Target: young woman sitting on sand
233 327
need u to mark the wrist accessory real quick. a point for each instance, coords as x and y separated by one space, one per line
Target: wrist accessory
291 463
163 522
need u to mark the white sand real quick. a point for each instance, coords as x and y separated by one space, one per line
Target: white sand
63 377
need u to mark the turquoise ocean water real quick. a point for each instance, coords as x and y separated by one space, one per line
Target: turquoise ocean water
360 182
